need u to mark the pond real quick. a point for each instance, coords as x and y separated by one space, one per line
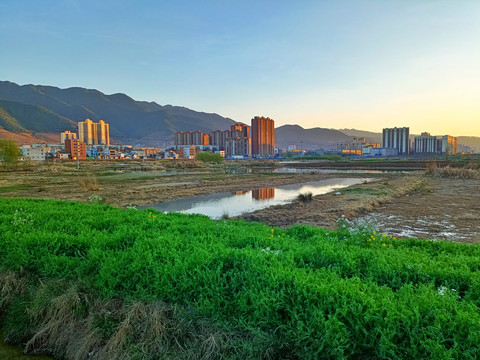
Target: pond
16 353
227 204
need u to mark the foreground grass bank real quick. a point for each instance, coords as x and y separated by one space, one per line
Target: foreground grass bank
92 281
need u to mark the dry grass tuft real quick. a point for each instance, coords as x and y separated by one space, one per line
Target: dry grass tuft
88 183
73 325
468 171
367 202
457 173
10 286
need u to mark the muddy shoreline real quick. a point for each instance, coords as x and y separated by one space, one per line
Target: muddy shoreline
439 208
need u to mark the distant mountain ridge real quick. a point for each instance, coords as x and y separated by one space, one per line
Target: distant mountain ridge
305 139
50 109
30 112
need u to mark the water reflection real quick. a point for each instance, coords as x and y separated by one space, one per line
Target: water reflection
233 204
263 194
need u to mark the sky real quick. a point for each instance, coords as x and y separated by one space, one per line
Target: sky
330 64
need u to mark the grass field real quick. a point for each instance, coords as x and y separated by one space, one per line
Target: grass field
79 279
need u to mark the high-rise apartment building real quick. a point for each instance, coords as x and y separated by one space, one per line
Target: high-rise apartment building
76 148
449 145
263 136
238 141
191 138
67 135
94 133
428 144
103 133
235 142
397 138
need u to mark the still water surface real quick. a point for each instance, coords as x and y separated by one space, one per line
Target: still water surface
237 203
15 353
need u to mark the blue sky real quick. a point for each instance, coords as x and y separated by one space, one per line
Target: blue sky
333 64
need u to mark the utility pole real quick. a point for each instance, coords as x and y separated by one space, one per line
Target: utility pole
78 155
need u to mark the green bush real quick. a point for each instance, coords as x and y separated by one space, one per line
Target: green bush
209 157
303 292
10 154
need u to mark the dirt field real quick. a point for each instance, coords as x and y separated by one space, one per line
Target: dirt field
135 184
401 204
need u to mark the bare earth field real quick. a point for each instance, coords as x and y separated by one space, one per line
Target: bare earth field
401 204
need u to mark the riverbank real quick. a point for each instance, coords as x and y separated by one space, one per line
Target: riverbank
398 201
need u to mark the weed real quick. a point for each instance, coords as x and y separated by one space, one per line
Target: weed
105 283
96 199
305 197
470 170
88 183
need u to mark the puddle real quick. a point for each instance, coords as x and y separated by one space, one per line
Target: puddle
293 170
219 205
15 353
425 227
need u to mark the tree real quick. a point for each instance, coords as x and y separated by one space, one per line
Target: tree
9 154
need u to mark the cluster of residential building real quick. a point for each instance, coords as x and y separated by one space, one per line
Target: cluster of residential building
397 142
42 152
241 141
359 146
92 140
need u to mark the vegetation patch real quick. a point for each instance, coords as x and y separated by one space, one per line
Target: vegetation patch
101 282
209 157
470 170
305 197
366 190
7 189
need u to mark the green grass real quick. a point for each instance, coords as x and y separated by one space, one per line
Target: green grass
367 191
303 292
12 188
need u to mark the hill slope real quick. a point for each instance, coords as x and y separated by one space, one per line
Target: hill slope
309 138
51 109
370 136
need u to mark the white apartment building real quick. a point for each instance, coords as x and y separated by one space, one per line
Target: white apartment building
36 153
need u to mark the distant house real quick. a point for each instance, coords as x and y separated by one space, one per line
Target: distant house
34 153
109 154
92 152
63 155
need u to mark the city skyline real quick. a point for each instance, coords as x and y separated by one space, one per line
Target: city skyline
366 65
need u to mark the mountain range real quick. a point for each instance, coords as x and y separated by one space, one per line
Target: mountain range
48 109
38 113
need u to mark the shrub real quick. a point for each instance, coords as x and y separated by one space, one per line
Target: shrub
10 154
305 197
111 283
209 157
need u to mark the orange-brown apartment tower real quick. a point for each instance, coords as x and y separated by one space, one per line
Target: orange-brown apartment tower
263 137
76 148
